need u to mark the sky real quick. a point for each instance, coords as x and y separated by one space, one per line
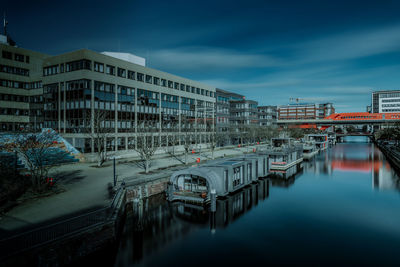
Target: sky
269 51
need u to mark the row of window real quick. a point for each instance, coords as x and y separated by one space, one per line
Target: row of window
121 72
388 95
14 70
391 110
390 105
20 85
390 100
17 57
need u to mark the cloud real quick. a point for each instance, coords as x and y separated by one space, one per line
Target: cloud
203 58
350 45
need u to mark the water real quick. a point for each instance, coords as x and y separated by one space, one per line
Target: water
340 208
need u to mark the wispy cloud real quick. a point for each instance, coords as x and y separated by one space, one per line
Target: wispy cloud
194 58
350 44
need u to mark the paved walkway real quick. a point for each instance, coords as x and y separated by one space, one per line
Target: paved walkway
86 187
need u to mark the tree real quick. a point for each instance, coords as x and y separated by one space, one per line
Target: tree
146 144
99 132
35 150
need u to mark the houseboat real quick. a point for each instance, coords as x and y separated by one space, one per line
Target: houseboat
321 140
257 166
309 150
284 153
195 184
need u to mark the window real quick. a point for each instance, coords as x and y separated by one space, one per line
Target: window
187 88
140 77
121 72
19 57
61 68
131 75
149 79
163 82
110 70
7 55
27 59
78 65
51 70
156 81
176 85
99 67
170 84
182 87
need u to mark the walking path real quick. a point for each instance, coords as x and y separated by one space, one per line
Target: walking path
86 187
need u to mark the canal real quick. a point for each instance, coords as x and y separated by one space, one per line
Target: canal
342 207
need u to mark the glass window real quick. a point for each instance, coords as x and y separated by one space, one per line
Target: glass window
170 84
19 57
121 72
131 75
140 77
156 81
99 67
163 82
110 70
6 54
149 79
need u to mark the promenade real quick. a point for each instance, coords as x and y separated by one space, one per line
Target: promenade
85 187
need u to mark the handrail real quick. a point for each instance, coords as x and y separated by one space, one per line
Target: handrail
58 230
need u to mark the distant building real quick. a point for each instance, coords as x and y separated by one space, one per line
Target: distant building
244 114
223 109
305 111
385 101
267 115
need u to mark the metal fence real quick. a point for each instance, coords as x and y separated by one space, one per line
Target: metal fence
56 231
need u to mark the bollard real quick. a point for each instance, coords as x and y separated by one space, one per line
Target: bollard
213 196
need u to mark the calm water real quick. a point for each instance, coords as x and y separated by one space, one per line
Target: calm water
343 207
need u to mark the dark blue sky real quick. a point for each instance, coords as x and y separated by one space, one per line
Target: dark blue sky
270 51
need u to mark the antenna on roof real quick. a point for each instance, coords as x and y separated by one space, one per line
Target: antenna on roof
5 22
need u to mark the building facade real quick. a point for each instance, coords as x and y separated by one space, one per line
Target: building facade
223 109
385 101
21 91
267 115
306 111
72 89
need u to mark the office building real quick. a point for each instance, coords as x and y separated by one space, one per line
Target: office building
385 101
305 111
66 91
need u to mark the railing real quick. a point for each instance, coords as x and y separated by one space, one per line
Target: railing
56 231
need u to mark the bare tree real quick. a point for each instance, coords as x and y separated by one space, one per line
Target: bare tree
99 132
146 144
35 150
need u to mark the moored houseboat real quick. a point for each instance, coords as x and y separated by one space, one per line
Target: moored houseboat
309 149
195 184
321 140
284 153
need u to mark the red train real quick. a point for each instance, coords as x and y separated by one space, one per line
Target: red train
364 116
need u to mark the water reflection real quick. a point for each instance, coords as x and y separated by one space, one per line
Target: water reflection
338 213
153 223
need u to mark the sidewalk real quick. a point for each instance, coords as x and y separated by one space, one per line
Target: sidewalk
86 187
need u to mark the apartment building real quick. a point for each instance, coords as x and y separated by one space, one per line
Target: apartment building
66 91
267 115
305 111
385 101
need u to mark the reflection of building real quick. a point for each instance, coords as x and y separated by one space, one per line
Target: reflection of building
385 101
286 178
228 209
300 111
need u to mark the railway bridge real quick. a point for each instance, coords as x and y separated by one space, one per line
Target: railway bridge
372 120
